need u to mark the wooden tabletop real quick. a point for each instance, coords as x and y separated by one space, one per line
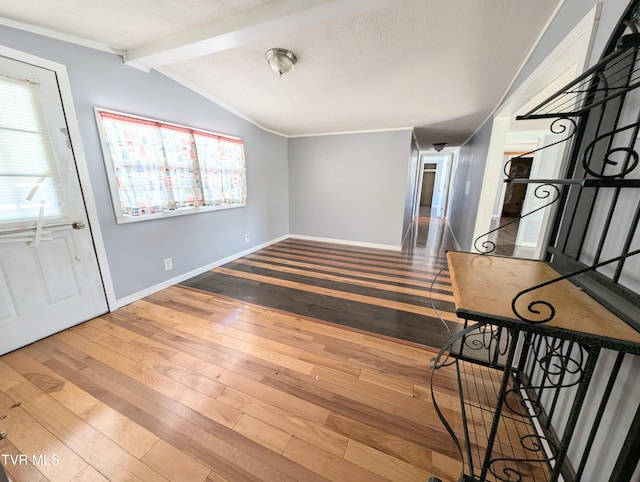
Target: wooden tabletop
484 287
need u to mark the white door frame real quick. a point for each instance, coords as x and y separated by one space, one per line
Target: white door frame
81 162
444 160
573 52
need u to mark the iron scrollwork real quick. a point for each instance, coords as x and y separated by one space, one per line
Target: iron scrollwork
535 444
631 156
543 191
489 339
535 307
557 127
557 370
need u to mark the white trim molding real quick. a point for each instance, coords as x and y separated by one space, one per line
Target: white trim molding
388 247
120 302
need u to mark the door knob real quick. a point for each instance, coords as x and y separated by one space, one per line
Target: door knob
77 225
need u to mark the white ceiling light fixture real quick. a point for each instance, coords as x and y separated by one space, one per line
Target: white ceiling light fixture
281 60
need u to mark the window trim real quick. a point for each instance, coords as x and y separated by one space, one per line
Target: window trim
122 218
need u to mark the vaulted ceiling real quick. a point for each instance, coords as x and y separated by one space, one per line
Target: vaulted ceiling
440 66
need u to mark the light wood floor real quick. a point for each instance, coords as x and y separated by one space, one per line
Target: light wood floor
186 385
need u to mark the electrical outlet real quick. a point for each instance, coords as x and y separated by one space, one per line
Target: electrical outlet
168 264
246 237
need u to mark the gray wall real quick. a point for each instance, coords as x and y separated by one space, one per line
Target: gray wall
349 187
410 194
467 186
135 251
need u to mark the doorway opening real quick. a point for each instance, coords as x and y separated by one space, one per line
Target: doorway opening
429 172
568 60
433 185
512 205
515 194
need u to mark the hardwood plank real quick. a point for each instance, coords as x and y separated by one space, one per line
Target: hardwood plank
351 280
387 381
400 306
262 433
97 351
222 331
380 463
125 432
327 464
248 319
202 349
284 401
130 436
15 467
434 437
174 464
300 274
361 315
63 353
215 477
396 273
231 463
372 261
89 475
309 325
329 362
249 349
398 447
374 393
157 357
32 438
155 411
102 453
303 429
448 469
211 408
9 378
103 325
236 457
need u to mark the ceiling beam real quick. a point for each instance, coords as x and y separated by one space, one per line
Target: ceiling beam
265 22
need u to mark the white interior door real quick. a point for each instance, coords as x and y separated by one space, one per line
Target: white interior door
49 274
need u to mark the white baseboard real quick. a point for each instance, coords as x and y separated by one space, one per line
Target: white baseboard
346 242
120 302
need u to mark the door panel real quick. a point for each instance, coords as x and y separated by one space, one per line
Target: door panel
55 262
49 274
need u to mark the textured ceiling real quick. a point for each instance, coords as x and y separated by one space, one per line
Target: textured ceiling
440 66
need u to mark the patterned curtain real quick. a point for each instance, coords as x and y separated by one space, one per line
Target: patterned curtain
162 167
223 169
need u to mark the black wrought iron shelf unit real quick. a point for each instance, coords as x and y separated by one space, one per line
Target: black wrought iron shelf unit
546 344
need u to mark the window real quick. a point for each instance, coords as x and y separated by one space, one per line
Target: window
158 169
30 185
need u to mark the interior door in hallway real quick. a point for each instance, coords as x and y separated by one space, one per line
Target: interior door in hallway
49 273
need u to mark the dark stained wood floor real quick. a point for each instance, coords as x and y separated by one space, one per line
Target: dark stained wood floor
379 291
